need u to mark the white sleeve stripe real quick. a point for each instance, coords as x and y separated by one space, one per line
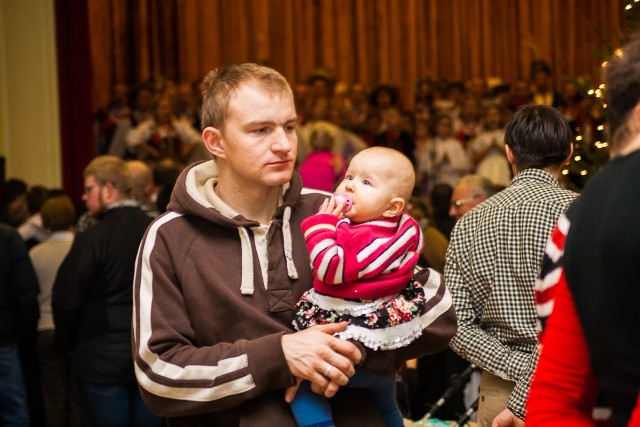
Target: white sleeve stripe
160 367
191 393
549 280
390 253
317 227
545 309
327 257
339 275
564 224
371 248
553 252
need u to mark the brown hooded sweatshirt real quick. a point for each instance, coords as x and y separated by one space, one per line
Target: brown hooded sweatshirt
207 329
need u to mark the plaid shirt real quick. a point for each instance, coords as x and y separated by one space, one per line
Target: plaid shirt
491 267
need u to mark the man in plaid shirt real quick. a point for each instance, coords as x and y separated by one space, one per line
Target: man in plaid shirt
494 258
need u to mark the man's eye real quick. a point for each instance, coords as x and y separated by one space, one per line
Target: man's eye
290 128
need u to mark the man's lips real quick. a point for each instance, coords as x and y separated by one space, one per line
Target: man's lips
279 163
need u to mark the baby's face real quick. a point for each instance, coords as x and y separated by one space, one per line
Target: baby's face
372 183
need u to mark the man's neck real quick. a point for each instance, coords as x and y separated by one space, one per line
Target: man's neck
121 202
627 148
257 204
554 171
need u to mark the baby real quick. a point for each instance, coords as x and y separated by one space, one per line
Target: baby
363 250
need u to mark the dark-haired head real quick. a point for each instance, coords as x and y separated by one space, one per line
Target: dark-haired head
538 136
622 92
36 196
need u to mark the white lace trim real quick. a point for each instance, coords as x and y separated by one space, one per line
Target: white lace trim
389 338
342 306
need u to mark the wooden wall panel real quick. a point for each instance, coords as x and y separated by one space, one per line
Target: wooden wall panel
188 55
260 26
432 54
371 41
101 40
288 61
209 45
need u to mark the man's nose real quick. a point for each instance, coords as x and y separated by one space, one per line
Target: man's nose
282 140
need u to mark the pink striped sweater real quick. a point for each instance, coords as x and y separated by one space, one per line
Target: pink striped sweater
362 261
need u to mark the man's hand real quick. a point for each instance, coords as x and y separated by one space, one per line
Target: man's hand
507 418
315 355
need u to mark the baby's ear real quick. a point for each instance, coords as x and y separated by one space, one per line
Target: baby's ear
395 208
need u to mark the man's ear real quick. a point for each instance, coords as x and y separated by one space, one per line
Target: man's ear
109 192
568 159
395 208
511 158
509 153
634 119
213 141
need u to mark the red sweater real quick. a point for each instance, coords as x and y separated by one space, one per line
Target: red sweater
362 261
563 390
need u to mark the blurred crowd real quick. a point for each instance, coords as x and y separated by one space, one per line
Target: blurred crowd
449 128
452 132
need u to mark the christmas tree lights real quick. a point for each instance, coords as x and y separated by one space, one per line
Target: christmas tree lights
591 146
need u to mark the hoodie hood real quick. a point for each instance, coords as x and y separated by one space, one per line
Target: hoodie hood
193 194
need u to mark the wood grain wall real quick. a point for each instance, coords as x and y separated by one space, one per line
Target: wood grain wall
370 41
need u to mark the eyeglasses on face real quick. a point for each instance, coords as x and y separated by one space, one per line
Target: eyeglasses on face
459 202
89 188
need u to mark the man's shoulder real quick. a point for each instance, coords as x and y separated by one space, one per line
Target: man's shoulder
130 214
127 219
533 192
552 196
513 201
310 200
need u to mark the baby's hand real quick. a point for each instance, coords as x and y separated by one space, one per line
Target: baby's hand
290 394
333 207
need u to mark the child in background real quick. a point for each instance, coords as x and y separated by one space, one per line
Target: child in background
487 149
442 159
322 168
470 122
363 250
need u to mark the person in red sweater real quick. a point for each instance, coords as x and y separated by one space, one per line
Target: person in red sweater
363 249
587 298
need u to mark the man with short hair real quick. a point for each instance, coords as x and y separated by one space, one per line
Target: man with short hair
469 192
494 258
144 187
91 299
218 275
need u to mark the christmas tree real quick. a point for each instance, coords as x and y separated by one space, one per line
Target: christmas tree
590 138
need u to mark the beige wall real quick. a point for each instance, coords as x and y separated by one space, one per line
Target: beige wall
29 109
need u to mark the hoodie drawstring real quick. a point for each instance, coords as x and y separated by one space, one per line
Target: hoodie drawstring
247 285
288 246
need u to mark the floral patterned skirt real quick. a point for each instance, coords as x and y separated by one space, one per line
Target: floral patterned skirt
385 323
